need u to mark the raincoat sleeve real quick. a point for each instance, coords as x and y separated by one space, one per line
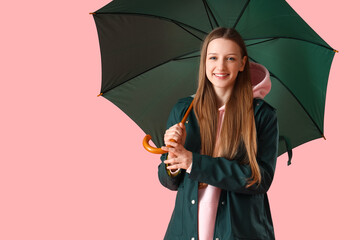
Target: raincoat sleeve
233 176
172 181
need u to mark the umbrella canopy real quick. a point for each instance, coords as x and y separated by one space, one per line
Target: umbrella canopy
150 53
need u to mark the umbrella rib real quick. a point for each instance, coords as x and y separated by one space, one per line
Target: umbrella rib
176 58
297 100
186 30
180 58
267 40
212 14
164 18
241 13
207 13
283 37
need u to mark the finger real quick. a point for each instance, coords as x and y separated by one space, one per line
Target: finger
174 138
170 150
169 161
182 126
167 143
172 135
172 161
173 167
177 129
177 165
175 125
165 148
171 139
172 144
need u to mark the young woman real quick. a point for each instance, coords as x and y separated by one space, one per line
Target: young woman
223 161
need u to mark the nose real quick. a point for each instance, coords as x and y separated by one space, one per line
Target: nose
221 64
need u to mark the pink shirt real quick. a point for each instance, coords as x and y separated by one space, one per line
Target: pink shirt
209 198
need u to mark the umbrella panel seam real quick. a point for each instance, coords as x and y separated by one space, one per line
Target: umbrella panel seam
241 14
297 100
177 24
149 15
284 37
207 13
172 59
212 14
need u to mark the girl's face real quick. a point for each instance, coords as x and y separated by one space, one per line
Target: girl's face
223 62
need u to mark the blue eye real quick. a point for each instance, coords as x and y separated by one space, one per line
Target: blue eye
231 58
212 58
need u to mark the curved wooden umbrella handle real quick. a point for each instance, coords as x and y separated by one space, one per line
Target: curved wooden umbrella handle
147 138
149 148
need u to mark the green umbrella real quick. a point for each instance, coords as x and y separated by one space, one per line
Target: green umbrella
150 57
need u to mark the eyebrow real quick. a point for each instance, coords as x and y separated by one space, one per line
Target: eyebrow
226 54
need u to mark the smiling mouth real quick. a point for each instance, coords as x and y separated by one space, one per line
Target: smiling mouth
220 74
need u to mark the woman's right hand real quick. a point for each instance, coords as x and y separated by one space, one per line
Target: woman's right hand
177 133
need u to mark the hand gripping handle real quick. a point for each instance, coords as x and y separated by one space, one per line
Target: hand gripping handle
147 138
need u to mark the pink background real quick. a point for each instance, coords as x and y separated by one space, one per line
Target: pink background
70 161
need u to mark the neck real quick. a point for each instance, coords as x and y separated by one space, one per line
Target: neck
222 96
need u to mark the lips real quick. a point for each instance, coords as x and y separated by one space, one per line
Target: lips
221 75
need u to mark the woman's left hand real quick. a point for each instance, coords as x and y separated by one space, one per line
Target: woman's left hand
183 157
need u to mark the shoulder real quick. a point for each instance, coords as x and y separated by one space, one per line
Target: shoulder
264 112
179 109
260 105
183 104
185 101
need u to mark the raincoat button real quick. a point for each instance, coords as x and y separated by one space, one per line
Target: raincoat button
192 238
192 201
223 203
217 238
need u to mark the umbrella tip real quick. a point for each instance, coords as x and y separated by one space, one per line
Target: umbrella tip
92 13
335 50
100 94
324 136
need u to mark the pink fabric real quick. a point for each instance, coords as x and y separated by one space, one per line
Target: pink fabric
260 79
209 199
207 209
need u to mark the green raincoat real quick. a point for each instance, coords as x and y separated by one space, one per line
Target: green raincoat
243 213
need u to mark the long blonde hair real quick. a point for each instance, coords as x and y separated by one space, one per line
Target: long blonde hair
238 129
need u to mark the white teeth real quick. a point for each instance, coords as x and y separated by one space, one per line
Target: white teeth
220 75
